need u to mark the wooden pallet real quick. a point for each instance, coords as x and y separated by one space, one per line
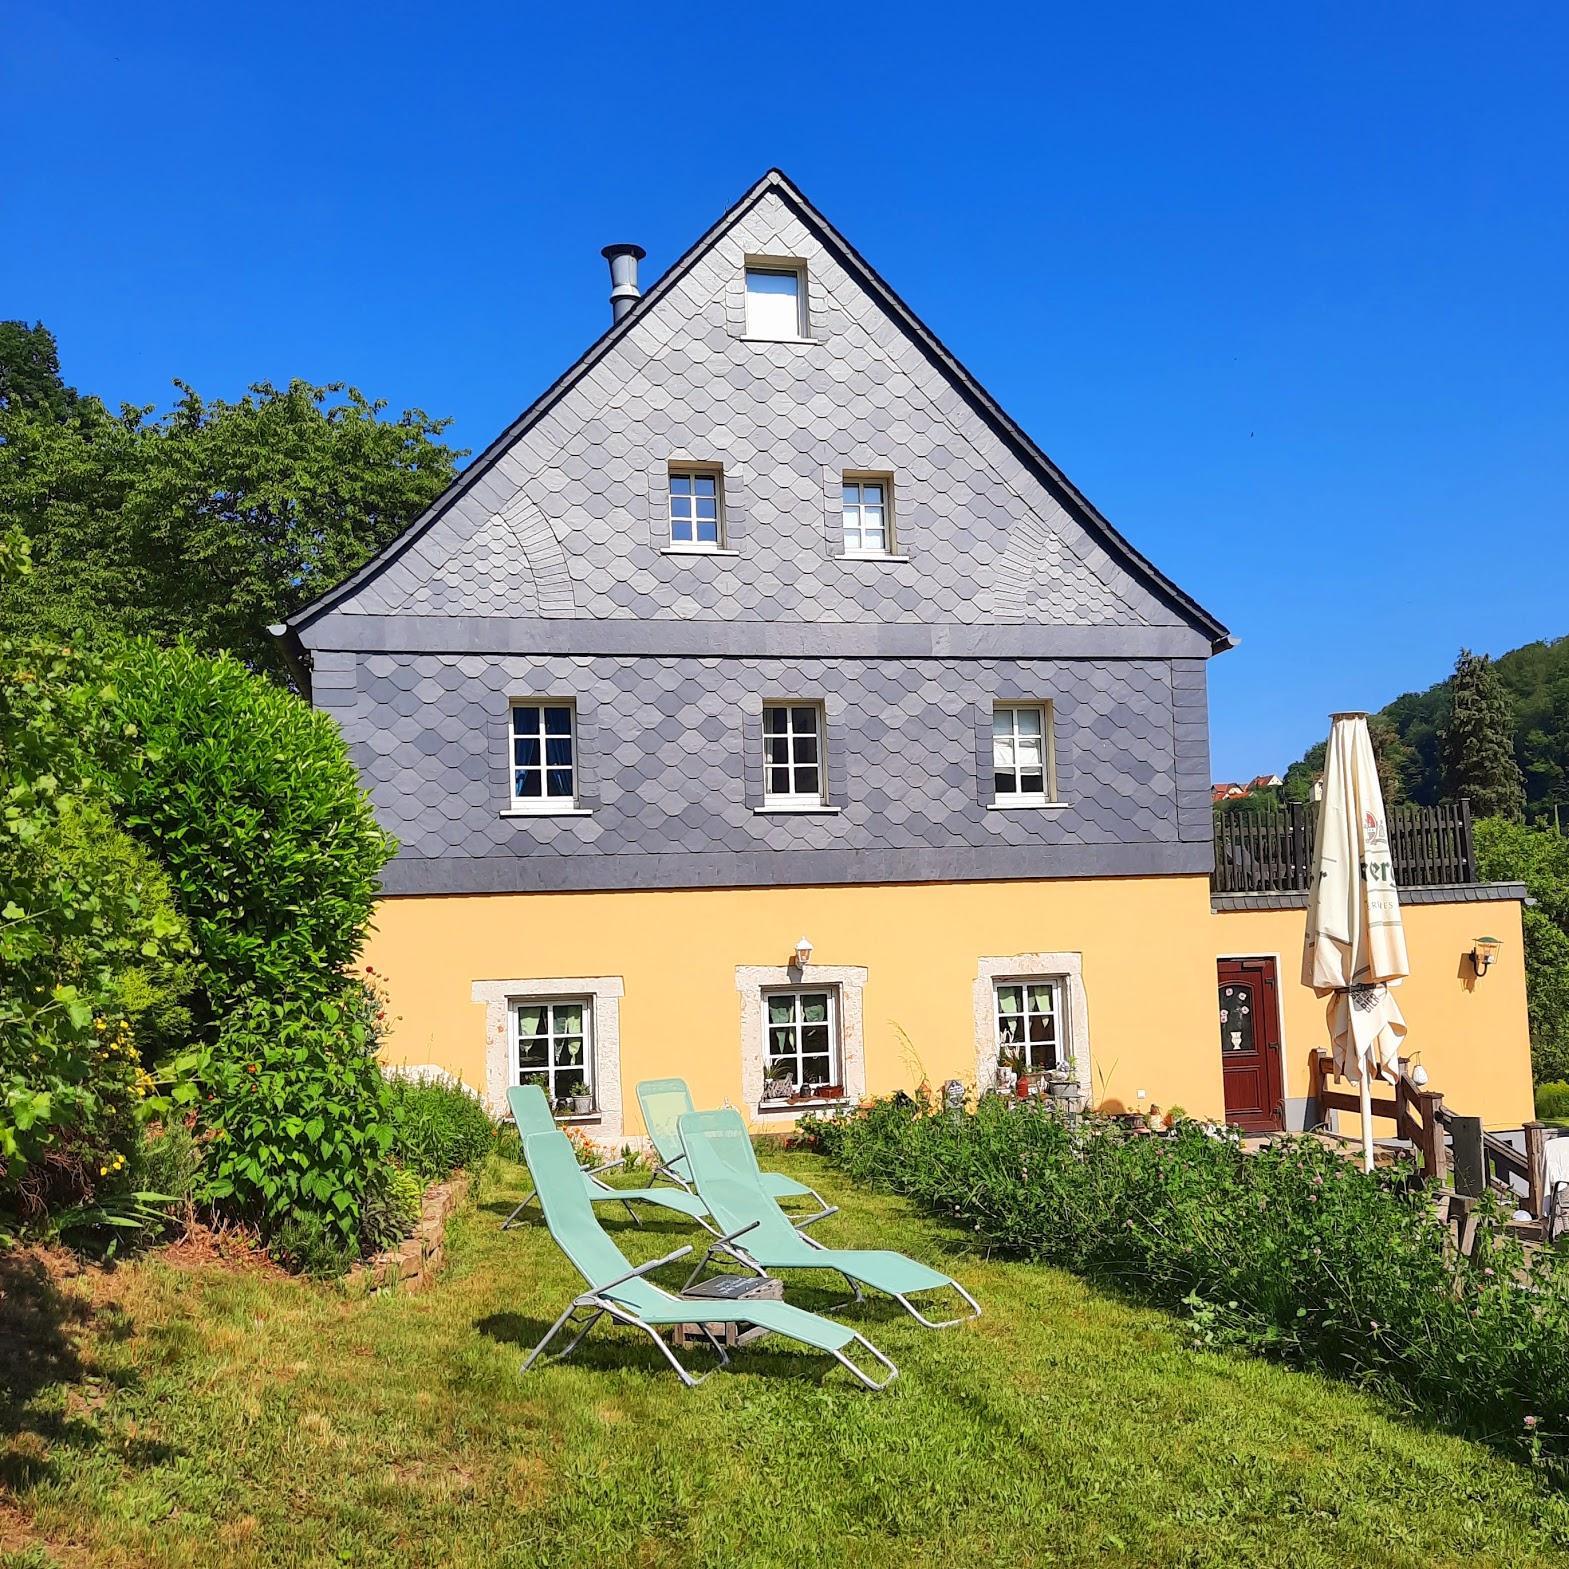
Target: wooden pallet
727 1288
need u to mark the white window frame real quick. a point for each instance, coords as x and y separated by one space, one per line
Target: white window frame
792 737
755 326
1018 796
544 803
798 1024
550 1005
859 509
1058 1045
694 472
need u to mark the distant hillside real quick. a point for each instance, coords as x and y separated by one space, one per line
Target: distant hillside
1407 733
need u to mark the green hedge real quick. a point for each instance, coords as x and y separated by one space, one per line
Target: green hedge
1292 1252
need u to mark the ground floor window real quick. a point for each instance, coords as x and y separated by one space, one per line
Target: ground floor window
803 1053
1029 1023
553 1047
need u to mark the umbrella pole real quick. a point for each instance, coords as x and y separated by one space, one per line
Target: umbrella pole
1367 1120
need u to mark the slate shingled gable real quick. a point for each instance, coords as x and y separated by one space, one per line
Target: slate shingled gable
504 509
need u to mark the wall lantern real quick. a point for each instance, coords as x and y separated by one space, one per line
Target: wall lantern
803 952
1484 950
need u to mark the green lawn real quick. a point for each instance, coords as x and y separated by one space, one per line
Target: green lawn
212 1417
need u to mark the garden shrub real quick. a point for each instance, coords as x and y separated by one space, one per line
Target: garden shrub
1552 1101
88 939
248 797
391 1208
436 1128
299 1115
1292 1251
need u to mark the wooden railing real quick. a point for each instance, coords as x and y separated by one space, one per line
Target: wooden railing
1272 852
1448 1146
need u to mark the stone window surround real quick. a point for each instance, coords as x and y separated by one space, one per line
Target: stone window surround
848 980
604 993
873 466
1066 967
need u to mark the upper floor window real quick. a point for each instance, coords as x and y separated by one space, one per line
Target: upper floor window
868 515
695 515
553 1047
1022 761
792 754
775 301
544 762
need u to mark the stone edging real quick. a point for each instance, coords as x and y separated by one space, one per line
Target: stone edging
417 1258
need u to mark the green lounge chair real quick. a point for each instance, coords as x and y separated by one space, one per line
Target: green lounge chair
665 1102
531 1111
724 1169
617 1289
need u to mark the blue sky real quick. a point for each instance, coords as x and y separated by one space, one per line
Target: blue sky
1282 288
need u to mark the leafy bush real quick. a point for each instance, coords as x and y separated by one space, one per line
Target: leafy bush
1291 1251
1538 857
438 1128
391 1208
88 939
1552 1101
248 797
299 1114
313 1245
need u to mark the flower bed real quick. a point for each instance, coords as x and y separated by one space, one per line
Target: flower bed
1290 1251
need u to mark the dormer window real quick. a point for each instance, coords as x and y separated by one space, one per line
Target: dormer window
776 301
696 519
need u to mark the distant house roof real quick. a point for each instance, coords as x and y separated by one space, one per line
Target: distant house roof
1266 782
1229 791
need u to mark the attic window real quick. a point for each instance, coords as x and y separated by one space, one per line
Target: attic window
776 301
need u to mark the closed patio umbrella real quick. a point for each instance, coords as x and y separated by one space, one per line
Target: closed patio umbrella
1356 946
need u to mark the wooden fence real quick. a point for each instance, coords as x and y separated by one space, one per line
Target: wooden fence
1272 852
1449 1147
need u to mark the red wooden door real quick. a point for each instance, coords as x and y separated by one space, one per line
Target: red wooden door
1249 1000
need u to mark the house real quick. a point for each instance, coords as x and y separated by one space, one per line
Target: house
763 706
1263 782
1228 791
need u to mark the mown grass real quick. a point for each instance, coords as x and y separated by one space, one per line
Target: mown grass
212 1417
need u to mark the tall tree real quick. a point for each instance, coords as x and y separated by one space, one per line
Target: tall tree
212 520
1478 742
30 372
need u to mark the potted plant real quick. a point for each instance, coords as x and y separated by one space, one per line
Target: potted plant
778 1086
582 1102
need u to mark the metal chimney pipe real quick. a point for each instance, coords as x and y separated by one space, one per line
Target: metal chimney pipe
624 292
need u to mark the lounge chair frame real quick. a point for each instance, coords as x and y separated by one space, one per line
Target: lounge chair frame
599 1305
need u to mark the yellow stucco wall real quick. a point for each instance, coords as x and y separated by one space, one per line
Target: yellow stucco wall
1149 947
1148 973
1472 1034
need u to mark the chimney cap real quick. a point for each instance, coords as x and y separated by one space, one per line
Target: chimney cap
636 252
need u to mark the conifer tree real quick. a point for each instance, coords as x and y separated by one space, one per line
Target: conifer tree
1478 741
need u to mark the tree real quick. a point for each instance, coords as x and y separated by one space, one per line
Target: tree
30 372
1478 742
210 521
1539 858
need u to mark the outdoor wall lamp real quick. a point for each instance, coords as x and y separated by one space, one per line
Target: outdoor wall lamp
1483 951
803 952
